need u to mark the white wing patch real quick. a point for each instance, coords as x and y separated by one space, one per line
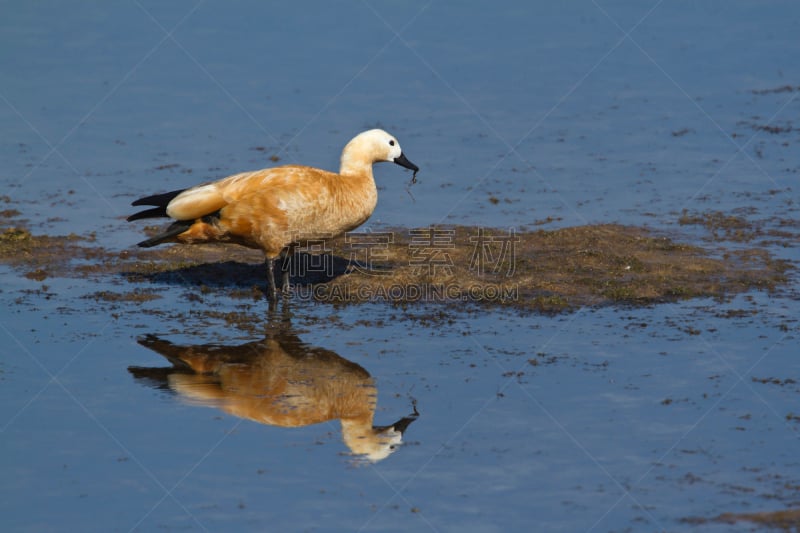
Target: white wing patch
196 202
209 197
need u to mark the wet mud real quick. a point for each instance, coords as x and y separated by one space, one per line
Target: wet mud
787 520
546 271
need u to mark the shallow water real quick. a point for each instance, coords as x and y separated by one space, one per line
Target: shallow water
603 419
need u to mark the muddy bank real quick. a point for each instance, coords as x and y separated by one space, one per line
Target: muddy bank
787 520
543 270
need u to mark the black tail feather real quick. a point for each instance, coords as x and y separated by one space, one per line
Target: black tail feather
149 213
173 230
159 200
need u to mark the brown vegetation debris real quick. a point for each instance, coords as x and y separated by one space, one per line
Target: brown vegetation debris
787 520
545 271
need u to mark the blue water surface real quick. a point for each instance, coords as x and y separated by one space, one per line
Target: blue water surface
519 114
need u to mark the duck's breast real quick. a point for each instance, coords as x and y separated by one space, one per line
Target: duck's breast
324 204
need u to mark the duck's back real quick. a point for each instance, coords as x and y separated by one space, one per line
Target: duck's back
304 201
204 199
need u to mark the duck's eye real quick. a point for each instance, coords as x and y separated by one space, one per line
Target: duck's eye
391 143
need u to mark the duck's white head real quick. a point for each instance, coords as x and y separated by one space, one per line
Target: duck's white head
373 146
376 443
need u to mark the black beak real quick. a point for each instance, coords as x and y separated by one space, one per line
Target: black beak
403 161
403 423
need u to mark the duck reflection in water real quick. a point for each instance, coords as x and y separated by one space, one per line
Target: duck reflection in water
279 381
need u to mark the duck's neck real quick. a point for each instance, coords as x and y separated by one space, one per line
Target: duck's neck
357 194
357 433
355 167
359 191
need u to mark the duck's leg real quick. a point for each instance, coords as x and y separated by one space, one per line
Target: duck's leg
286 264
285 286
272 290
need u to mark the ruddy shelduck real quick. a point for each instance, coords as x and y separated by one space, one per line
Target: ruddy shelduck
271 209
